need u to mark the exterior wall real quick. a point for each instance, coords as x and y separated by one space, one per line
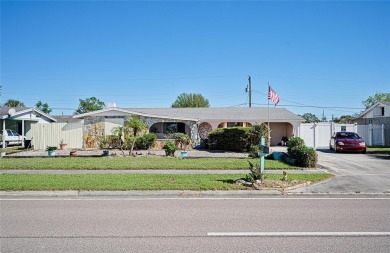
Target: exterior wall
279 130
111 123
44 135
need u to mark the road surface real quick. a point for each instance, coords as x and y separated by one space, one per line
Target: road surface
280 224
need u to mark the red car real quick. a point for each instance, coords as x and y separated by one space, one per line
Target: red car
347 141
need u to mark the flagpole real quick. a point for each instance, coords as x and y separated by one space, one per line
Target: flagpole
269 130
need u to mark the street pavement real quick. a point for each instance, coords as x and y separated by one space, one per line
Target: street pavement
276 224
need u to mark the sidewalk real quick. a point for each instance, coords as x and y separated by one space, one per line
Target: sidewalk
188 172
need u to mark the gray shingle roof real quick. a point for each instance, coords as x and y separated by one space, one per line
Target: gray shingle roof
4 110
66 119
231 113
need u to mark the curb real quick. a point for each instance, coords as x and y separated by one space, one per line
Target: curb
181 194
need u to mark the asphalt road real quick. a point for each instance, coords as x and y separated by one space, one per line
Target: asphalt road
191 224
355 173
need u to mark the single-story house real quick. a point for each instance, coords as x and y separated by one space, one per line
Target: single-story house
196 122
378 114
20 120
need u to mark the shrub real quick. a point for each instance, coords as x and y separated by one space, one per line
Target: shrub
169 148
254 151
231 139
146 141
305 156
294 142
181 139
256 132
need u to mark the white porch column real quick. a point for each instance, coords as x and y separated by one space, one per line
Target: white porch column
3 132
22 133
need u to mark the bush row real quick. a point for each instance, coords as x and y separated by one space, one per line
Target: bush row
239 139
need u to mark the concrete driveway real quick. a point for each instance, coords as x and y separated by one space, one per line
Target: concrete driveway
355 173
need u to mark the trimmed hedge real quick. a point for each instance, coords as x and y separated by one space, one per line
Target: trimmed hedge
145 142
294 142
305 156
231 139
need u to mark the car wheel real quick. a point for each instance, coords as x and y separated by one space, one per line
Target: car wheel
330 147
6 144
364 151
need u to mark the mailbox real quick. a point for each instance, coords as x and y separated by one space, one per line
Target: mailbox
263 149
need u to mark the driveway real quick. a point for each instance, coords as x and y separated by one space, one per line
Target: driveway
355 173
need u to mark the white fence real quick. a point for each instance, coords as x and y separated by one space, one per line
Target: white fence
44 135
317 135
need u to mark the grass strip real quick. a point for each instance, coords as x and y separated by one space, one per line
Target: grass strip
122 182
134 163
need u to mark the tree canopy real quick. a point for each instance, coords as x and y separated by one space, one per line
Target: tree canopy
345 119
378 97
13 103
310 118
190 100
89 105
44 107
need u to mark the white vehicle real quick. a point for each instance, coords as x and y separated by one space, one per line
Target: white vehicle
11 138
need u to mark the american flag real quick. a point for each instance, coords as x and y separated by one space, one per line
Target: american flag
272 95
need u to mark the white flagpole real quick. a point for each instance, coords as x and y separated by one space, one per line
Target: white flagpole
269 129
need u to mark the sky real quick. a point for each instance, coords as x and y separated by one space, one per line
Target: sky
321 57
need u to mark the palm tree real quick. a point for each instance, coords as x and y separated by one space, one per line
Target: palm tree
119 131
44 107
137 126
13 103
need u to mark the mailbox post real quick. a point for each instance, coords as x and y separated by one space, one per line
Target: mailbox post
263 151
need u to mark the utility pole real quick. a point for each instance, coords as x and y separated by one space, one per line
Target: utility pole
250 91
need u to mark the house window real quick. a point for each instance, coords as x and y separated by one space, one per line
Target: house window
383 111
234 124
173 127
343 128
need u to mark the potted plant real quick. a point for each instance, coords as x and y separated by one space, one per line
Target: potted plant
51 150
73 152
63 146
182 140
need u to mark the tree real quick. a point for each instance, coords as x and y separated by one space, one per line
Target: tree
43 107
13 103
345 119
190 100
378 97
137 126
310 118
89 105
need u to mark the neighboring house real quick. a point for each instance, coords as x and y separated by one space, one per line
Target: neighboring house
378 114
196 122
20 119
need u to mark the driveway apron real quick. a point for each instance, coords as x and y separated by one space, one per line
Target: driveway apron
355 173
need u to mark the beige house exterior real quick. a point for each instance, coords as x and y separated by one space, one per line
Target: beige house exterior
196 122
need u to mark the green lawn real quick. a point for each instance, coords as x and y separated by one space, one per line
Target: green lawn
134 163
122 182
381 152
